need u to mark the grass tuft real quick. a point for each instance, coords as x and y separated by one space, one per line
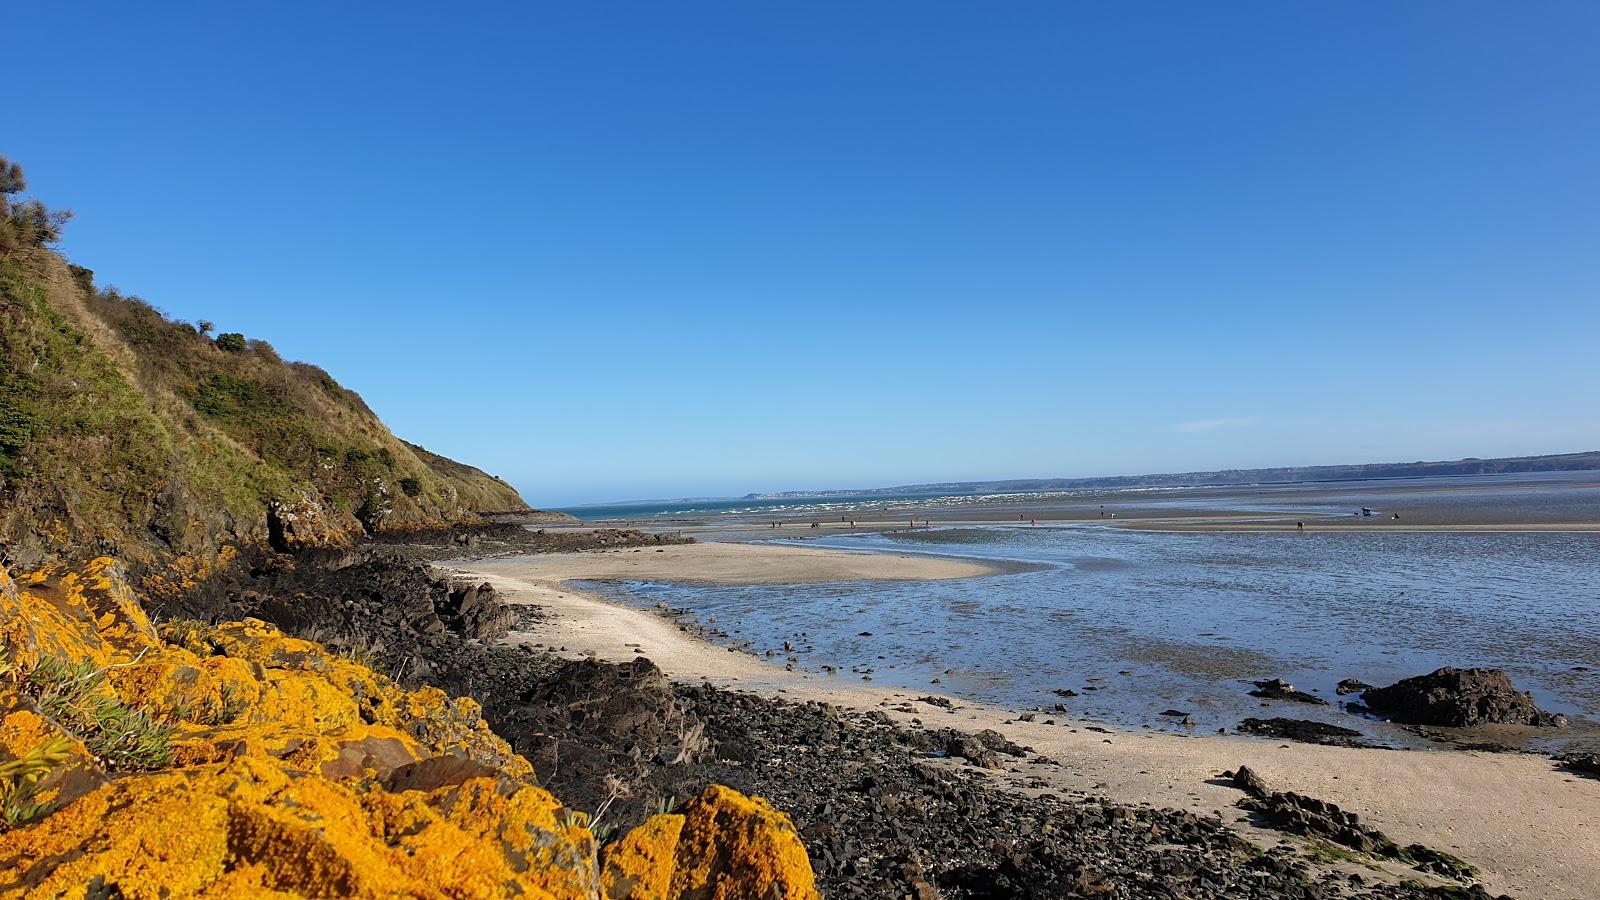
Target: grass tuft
72 695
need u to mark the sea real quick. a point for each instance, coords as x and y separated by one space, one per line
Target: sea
1130 627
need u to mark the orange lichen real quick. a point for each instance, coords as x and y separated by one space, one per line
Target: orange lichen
735 847
296 772
640 866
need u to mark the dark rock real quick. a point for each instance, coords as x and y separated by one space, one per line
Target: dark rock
1582 763
1352 686
1458 698
1310 817
1304 731
1278 689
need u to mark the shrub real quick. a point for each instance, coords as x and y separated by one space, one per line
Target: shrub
222 396
411 485
232 342
25 223
263 349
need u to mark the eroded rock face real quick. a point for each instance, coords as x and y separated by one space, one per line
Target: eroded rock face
270 766
1459 698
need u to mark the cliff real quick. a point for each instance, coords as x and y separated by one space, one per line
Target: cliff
124 432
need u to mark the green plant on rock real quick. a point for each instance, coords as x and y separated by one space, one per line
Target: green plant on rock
21 778
73 696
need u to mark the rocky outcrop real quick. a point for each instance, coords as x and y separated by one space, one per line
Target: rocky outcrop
234 760
475 612
1459 698
1310 817
1305 731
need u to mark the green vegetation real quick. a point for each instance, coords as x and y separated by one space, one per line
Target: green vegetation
70 694
24 223
20 781
121 427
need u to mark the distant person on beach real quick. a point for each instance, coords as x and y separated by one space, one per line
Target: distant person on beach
1033 521
1300 526
1397 517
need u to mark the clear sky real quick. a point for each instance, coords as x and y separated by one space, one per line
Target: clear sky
619 250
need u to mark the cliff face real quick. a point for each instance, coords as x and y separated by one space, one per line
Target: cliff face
125 433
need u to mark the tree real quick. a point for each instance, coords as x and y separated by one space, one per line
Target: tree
205 327
231 341
25 222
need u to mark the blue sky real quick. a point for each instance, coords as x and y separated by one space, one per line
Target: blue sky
645 249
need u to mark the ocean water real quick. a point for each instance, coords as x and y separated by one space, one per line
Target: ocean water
1139 622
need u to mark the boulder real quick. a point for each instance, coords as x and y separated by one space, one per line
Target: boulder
1459 698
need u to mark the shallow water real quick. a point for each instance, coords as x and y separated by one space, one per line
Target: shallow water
1138 622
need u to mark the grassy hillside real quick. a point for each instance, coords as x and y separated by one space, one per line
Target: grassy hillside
124 432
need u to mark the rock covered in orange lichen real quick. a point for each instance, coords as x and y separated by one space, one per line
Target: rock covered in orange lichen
724 846
294 772
640 866
256 824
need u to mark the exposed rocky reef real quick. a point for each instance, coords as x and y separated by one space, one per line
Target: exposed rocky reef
234 760
1309 817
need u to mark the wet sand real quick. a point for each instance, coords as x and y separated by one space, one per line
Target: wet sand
728 563
1532 830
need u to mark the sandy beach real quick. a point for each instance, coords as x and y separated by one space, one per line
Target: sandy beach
1532 830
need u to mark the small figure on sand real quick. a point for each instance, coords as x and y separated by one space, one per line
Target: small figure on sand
1033 521
1396 517
816 525
1300 526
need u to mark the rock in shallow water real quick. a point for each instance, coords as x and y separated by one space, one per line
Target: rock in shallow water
1459 698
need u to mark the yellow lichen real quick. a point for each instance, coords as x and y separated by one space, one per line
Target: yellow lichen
640 866
298 773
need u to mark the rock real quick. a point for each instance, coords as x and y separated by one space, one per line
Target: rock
1246 779
1352 686
1582 763
1459 698
1304 731
1307 816
1278 689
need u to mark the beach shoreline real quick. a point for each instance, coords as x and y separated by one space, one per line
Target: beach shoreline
1529 828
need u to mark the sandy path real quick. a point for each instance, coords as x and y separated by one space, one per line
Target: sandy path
1533 831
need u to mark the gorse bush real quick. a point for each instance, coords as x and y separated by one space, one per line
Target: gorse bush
231 341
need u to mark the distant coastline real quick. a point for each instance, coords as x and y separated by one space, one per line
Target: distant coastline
1560 462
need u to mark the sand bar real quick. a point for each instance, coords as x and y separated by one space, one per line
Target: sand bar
1532 830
